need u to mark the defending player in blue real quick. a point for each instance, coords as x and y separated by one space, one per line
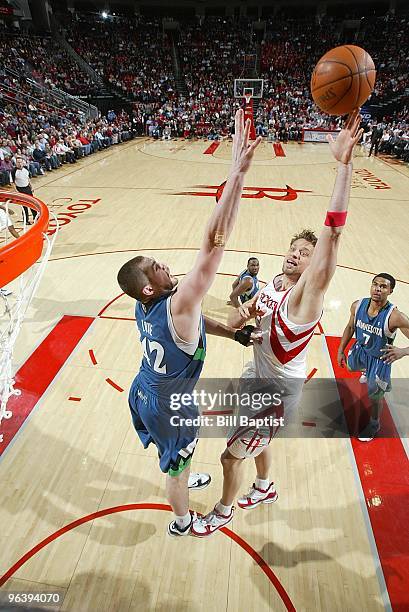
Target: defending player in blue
246 284
374 321
172 332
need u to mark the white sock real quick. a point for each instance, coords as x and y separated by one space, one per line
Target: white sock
183 521
225 510
262 484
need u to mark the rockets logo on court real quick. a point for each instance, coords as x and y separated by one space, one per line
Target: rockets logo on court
286 194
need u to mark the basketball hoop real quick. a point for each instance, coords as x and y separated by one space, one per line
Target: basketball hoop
247 98
22 263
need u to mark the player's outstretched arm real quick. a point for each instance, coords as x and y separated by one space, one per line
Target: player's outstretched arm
347 335
246 336
187 300
398 320
238 317
239 289
309 292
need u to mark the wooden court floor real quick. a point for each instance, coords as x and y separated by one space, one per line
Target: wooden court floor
326 544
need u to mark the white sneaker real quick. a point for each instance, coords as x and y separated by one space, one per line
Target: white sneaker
207 525
175 531
258 496
363 379
5 292
198 480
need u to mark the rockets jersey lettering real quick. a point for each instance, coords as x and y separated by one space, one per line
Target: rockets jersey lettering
283 350
164 359
373 333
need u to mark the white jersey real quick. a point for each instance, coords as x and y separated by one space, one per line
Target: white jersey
283 351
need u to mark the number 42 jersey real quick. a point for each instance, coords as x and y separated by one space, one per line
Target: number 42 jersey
166 357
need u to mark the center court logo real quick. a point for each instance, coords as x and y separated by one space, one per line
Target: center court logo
283 194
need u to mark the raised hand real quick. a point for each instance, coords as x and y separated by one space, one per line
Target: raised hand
342 147
242 152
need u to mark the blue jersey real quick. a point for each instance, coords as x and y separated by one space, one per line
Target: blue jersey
169 366
164 361
372 333
250 292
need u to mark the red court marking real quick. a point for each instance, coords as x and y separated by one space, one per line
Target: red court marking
34 377
278 149
90 517
309 424
311 374
92 356
109 304
114 385
74 399
217 412
210 150
383 469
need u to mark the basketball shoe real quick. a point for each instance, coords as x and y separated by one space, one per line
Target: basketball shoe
199 480
175 531
363 379
207 525
258 496
370 431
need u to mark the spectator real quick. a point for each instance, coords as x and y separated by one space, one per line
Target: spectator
21 179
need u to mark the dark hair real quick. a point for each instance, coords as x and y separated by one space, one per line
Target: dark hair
388 277
132 278
305 234
251 259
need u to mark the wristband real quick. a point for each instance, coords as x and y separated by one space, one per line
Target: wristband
243 335
335 219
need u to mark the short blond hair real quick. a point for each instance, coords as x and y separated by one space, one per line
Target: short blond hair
305 234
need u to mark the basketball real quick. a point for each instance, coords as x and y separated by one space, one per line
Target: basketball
343 79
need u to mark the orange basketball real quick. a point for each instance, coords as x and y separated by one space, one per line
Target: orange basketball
343 79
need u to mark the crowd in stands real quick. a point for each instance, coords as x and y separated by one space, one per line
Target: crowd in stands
45 60
387 138
135 59
387 41
211 57
47 142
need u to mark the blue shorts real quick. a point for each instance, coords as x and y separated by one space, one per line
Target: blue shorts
378 373
151 418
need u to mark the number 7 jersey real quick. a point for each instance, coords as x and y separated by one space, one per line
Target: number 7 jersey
166 357
373 333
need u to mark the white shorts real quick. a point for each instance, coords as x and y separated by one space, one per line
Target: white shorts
250 441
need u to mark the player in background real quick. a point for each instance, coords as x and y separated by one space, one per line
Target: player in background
288 310
246 284
374 321
172 333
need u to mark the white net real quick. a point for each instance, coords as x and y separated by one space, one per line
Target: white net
15 299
